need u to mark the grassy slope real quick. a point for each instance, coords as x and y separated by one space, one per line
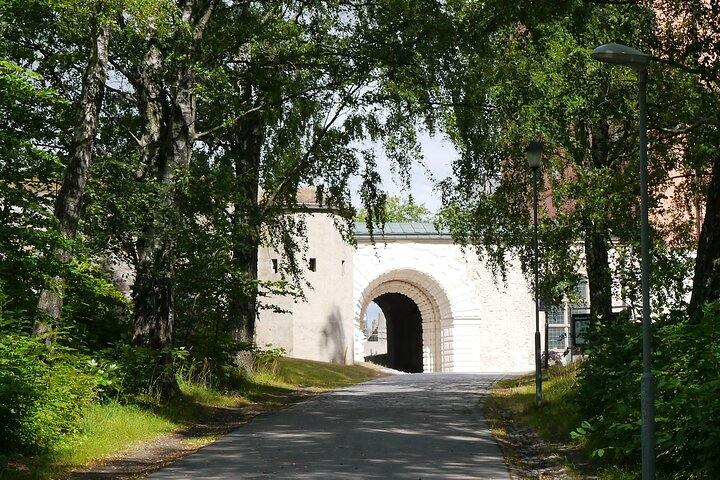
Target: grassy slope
110 428
306 373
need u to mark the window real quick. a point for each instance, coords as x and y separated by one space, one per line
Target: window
556 338
557 327
275 265
580 323
556 315
313 265
373 336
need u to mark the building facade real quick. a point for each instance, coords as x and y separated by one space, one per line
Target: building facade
444 310
321 326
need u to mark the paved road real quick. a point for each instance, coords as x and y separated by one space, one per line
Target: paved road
421 426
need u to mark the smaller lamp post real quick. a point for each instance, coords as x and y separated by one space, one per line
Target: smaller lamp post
534 157
546 363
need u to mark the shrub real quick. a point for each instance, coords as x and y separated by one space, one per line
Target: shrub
127 370
266 359
553 358
43 393
686 366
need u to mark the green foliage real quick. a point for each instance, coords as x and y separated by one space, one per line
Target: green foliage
534 79
687 390
96 314
26 171
397 209
43 393
267 358
137 370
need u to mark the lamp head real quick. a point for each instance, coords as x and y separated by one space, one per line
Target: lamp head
534 154
621 55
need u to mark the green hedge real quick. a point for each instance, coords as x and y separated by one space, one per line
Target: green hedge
686 366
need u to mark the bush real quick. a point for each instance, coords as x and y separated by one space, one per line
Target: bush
686 366
266 359
44 392
126 370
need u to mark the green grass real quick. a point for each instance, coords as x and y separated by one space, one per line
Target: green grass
306 373
557 416
105 430
111 428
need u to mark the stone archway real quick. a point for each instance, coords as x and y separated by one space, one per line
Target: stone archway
431 301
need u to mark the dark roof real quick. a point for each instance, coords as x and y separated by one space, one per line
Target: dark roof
402 231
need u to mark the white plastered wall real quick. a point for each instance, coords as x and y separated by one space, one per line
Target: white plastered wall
470 324
320 328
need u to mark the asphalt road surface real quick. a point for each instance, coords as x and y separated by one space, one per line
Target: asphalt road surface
420 426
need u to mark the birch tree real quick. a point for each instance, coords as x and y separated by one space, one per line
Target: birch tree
68 204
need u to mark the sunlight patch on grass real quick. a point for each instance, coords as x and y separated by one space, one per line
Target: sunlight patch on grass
558 414
205 395
553 421
306 373
111 428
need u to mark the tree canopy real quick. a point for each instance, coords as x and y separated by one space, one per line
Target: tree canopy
533 79
179 135
148 148
398 209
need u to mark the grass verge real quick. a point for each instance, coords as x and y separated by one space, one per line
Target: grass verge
513 403
110 429
323 376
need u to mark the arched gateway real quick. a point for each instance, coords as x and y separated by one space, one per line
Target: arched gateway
444 310
467 321
397 292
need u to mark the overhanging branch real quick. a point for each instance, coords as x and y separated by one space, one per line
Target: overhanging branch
689 128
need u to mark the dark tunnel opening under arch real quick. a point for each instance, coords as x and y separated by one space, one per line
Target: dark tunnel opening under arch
404 333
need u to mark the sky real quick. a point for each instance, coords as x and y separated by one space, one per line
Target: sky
438 155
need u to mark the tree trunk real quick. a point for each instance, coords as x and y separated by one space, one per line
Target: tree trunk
599 277
596 233
69 201
168 113
151 296
246 236
706 281
153 299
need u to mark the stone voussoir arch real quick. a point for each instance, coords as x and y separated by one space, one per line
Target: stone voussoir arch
431 300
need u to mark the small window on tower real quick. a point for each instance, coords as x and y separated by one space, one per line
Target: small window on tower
275 265
313 265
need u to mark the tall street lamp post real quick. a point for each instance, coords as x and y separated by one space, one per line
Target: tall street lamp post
534 157
637 60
